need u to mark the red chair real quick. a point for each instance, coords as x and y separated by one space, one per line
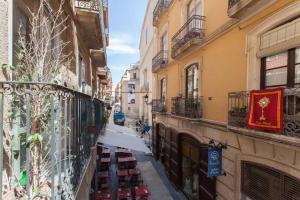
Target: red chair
103 178
105 164
123 163
132 162
124 194
141 192
105 153
103 195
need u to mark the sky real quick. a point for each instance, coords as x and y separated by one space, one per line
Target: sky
125 23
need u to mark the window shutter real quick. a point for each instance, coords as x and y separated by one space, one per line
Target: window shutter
263 183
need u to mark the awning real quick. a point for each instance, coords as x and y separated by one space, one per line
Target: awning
123 137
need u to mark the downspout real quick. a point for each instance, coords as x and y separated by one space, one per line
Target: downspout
10 34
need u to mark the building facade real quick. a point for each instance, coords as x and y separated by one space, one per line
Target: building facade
147 39
208 51
84 37
129 86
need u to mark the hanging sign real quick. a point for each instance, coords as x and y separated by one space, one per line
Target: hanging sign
214 161
266 110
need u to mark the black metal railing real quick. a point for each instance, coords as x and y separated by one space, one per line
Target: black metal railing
231 3
160 7
88 4
192 29
158 106
187 107
159 60
65 125
238 110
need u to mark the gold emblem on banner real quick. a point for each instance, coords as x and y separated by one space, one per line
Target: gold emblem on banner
263 103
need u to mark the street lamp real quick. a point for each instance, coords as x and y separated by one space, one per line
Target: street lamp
146 98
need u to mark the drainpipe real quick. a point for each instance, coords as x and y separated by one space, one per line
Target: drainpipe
10 33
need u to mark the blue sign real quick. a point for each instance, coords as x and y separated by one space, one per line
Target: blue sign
214 161
146 128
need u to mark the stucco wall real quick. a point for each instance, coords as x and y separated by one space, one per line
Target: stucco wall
3 32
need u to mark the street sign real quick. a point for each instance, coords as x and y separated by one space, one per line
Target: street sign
214 161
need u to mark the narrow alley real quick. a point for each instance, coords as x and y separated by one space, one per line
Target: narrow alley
152 173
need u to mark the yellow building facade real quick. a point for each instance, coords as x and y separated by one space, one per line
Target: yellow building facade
207 52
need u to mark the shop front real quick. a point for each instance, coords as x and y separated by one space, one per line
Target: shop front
185 161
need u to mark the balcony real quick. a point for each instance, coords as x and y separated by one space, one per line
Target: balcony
98 58
239 8
90 14
187 107
189 35
160 8
158 106
238 111
101 73
160 60
51 131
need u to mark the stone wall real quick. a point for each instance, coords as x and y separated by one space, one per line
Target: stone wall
282 157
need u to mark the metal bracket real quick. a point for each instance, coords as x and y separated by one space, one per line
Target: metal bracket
212 143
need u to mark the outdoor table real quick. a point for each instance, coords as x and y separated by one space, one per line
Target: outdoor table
134 172
135 175
132 162
105 153
141 192
103 195
123 163
124 194
121 153
123 177
103 178
105 164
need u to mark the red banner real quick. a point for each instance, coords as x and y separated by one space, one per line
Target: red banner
266 110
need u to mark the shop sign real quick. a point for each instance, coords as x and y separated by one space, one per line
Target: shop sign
214 161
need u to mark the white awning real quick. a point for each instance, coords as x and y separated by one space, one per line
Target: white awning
123 137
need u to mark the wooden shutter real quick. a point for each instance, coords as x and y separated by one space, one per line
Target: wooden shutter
174 158
207 185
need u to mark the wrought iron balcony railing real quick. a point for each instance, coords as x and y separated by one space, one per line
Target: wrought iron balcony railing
231 3
159 60
192 29
88 4
238 111
187 107
49 131
158 106
160 7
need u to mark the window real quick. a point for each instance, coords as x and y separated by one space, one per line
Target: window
164 42
134 75
192 81
263 183
282 69
163 89
194 8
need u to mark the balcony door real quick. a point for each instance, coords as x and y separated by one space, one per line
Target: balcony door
192 81
194 8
